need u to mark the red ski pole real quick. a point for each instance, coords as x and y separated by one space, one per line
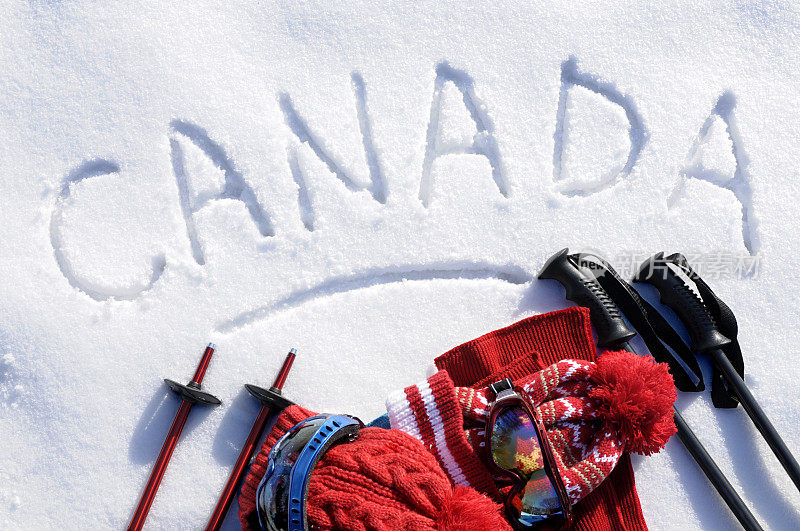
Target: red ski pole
190 394
271 400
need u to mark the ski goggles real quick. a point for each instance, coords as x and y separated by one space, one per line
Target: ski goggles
282 492
520 451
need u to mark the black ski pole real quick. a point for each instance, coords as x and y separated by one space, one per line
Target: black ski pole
612 332
706 337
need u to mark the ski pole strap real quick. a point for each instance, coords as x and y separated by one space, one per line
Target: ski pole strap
663 342
721 396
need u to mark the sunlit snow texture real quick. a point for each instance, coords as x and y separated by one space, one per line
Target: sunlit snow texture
372 183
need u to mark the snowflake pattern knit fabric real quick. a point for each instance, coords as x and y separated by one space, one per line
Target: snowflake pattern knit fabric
584 430
527 347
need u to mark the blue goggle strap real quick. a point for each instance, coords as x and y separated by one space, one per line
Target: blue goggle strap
332 430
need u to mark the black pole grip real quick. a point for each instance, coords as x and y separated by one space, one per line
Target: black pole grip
584 290
687 305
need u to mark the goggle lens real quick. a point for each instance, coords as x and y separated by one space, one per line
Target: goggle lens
515 447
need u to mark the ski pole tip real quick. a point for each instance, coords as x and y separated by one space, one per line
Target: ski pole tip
212 346
292 351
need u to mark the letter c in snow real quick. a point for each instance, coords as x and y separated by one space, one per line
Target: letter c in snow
92 168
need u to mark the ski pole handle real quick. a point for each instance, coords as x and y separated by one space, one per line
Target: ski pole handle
687 305
584 290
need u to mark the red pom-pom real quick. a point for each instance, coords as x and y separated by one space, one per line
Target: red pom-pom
635 397
468 510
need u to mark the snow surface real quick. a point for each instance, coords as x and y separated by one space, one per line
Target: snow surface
163 165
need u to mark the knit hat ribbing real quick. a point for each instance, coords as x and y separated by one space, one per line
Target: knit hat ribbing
520 349
432 414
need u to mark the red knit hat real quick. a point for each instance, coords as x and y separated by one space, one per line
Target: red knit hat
383 480
528 346
592 411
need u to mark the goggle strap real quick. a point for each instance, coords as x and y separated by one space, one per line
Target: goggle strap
334 429
502 385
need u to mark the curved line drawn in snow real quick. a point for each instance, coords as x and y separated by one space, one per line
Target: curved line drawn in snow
377 277
483 143
740 183
87 170
570 77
